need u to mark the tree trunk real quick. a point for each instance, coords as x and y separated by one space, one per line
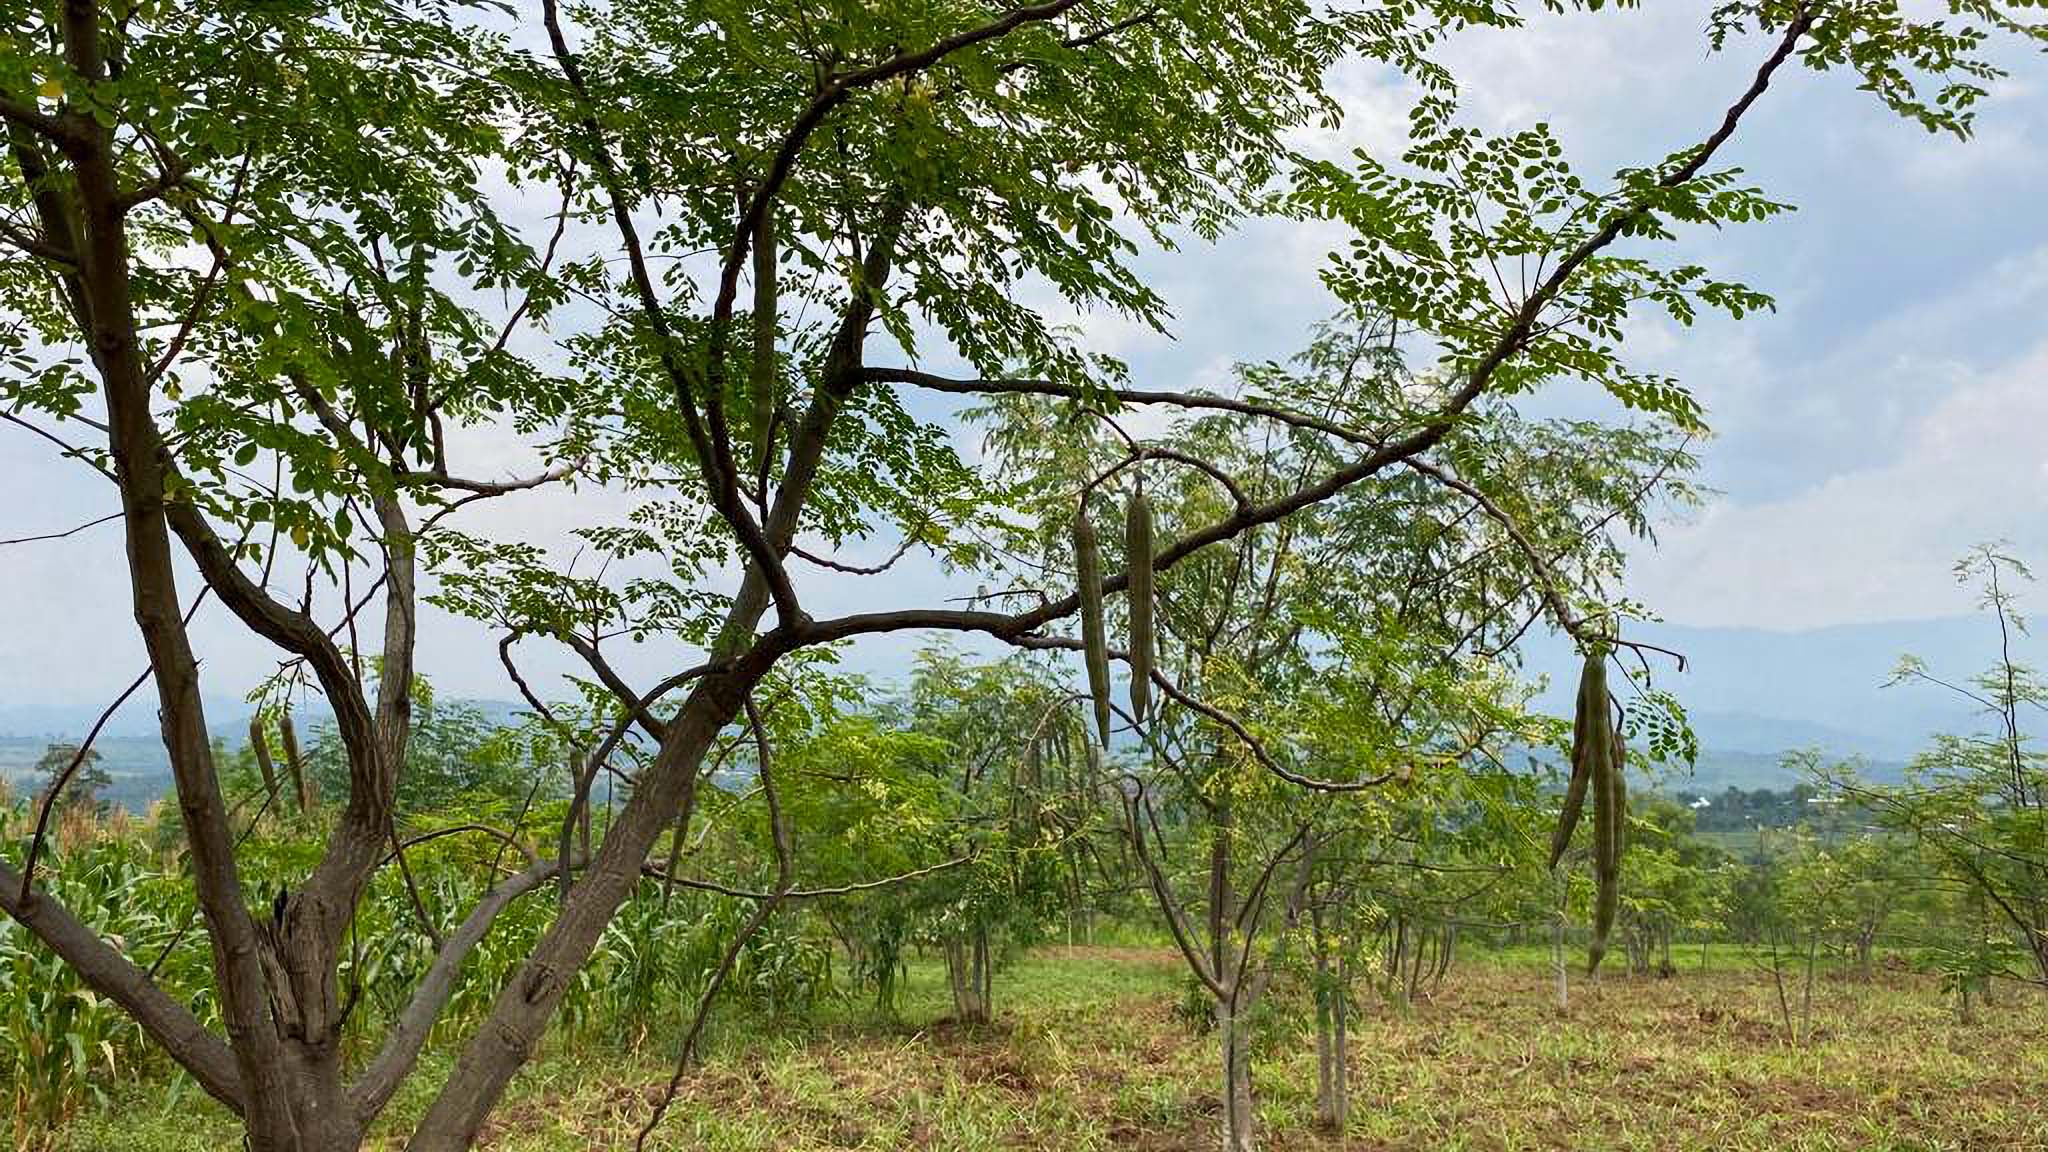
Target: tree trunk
1778 981
519 1014
108 314
1414 977
1333 1040
1341 1082
1806 994
984 966
1635 940
956 976
1558 964
1328 1078
1238 1131
968 976
1397 961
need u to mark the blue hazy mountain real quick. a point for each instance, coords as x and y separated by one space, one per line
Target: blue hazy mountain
1752 695
1755 691
130 748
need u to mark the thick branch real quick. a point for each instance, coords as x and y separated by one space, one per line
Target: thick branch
785 879
288 628
1200 400
1176 919
1381 456
113 975
408 1035
711 445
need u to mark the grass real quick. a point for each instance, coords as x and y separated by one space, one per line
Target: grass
1087 1054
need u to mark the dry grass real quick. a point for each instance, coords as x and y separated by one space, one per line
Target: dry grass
1088 1055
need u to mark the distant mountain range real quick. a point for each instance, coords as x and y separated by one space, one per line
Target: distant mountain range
1751 695
1754 691
131 750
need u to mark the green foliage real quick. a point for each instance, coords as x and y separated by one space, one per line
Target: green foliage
62 1044
457 756
1976 803
83 784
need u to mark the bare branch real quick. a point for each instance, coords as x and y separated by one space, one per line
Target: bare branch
691 882
408 1035
67 448
1197 400
111 516
712 445
902 550
1136 806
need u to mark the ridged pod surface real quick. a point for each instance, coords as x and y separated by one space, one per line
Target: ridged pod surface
1094 643
1593 678
1610 818
1138 556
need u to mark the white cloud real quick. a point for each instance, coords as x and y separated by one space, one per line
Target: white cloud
1874 543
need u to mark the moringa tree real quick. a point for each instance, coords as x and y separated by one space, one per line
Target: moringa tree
270 277
1978 803
1010 729
1363 642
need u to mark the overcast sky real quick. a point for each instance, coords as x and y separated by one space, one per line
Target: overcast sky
1887 416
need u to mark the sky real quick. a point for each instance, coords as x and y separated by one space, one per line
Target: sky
1887 416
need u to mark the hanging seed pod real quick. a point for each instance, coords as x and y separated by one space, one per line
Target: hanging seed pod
1094 644
1138 556
1610 816
1618 753
1590 707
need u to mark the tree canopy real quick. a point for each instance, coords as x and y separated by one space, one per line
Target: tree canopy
279 275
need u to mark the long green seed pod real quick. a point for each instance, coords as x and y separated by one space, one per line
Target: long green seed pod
1610 814
1618 751
1585 717
1138 556
1094 644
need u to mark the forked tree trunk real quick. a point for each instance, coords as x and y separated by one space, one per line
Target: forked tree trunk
519 1015
968 976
